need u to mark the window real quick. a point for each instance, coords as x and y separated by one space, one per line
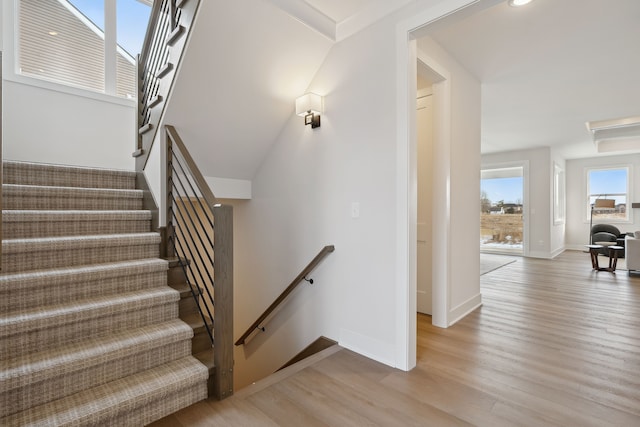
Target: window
90 44
608 184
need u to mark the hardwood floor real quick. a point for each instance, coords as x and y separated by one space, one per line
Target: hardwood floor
555 344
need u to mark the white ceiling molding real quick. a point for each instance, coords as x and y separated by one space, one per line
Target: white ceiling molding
616 135
369 14
628 145
309 16
318 17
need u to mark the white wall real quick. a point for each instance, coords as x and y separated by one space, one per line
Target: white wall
537 218
43 125
577 222
246 63
302 197
1 30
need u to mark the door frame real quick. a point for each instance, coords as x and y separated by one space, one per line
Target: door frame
524 164
406 202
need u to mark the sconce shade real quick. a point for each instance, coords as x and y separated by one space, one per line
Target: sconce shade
605 203
309 102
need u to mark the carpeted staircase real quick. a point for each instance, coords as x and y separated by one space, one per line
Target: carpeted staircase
89 329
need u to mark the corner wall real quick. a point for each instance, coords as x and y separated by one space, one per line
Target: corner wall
301 200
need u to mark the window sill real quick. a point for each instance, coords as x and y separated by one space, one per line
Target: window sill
67 89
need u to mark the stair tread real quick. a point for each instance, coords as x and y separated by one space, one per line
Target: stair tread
183 288
73 168
45 190
194 320
80 273
46 317
41 244
206 358
36 367
99 404
24 215
21 171
175 262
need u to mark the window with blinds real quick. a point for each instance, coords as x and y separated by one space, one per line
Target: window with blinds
64 41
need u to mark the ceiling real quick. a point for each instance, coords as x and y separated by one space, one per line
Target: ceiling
545 68
549 67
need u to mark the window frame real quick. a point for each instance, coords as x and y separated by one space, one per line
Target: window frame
588 194
10 29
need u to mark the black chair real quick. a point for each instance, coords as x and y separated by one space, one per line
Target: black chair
607 233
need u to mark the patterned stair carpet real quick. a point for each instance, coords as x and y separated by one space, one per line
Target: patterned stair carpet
89 329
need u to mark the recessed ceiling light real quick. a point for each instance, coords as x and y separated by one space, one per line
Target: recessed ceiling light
53 33
517 3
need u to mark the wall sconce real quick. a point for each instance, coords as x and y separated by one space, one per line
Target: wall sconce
310 106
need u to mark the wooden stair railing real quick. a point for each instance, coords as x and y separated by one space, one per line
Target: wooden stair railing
199 234
299 278
169 27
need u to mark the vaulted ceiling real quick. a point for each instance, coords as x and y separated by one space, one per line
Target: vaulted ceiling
545 70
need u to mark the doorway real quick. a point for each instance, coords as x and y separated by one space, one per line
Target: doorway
431 128
502 210
424 135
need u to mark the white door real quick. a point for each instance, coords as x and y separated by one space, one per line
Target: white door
424 135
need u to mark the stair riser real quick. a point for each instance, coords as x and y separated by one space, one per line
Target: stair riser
12 300
175 274
47 338
26 261
188 305
72 203
160 408
25 230
90 376
200 341
42 174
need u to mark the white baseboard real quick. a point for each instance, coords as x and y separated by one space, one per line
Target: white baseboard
459 312
576 247
369 347
540 254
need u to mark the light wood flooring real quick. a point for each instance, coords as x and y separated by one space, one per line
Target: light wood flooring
555 344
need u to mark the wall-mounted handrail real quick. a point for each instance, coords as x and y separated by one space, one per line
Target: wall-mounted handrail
299 278
200 234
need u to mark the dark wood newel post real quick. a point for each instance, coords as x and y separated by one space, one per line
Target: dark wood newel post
223 297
